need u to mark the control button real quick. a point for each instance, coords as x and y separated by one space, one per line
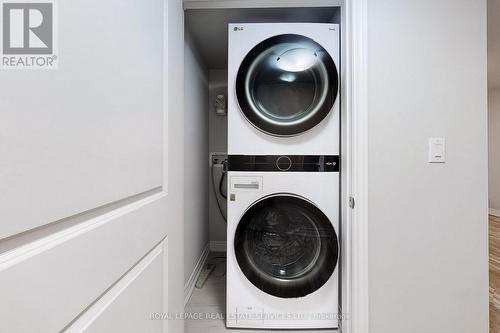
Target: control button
284 163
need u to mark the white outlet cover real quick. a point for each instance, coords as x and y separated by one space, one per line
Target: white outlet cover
437 150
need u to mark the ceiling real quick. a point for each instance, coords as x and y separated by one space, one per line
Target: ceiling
208 30
208 27
494 43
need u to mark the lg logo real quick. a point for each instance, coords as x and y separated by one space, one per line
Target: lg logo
28 29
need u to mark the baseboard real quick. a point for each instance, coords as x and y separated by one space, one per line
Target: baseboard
189 286
494 212
218 246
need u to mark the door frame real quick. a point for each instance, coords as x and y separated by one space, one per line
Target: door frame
356 98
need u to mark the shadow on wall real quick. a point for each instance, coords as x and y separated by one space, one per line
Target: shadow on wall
217 144
494 150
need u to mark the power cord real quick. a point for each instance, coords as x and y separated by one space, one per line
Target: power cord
221 182
224 164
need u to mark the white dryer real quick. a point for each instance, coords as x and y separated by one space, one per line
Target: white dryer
283 89
282 243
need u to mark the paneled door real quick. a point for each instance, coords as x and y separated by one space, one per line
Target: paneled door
90 195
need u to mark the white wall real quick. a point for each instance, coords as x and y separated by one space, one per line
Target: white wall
428 240
494 104
175 169
217 143
493 44
494 148
195 157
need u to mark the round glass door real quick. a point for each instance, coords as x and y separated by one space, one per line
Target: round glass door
286 85
286 246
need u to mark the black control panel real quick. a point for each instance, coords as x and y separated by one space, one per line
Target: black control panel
284 163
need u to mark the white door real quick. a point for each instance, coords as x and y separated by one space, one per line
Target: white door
90 191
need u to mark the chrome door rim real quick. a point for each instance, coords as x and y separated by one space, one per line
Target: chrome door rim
312 277
322 103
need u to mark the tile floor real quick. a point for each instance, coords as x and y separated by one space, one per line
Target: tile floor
211 299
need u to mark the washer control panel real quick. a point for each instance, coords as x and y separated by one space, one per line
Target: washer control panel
285 163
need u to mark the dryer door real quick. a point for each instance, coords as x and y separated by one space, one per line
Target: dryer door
286 246
286 85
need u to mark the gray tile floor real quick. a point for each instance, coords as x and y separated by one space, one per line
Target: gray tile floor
210 302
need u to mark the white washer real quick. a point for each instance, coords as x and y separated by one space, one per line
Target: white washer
282 243
283 88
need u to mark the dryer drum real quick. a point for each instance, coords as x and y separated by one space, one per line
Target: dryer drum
286 246
286 85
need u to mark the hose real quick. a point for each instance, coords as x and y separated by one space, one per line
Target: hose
221 183
217 260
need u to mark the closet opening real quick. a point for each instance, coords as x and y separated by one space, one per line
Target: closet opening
206 146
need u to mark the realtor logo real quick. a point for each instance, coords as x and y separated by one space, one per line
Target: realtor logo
28 35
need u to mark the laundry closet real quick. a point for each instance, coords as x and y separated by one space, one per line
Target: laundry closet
264 152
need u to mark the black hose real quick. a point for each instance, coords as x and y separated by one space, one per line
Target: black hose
224 166
221 184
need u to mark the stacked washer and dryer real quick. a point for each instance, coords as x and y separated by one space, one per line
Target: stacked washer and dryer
283 177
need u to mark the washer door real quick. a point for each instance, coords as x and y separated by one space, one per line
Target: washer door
286 85
286 246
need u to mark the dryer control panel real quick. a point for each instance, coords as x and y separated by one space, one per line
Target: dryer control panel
285 163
